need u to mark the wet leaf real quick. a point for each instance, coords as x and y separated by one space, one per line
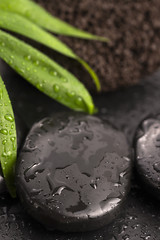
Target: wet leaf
8 139
45 74
19 24
41 17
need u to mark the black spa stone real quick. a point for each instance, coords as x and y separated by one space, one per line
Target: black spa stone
73 172
148 155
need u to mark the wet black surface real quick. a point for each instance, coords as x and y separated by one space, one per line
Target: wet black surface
74 172
147 148
125 109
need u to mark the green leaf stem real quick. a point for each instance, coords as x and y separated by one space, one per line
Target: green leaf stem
8 139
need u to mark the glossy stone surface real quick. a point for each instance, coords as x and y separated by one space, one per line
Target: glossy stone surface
148 155
73 173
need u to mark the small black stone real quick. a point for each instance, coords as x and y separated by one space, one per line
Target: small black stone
73 172
148 155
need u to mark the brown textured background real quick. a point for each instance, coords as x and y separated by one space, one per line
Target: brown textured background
132 26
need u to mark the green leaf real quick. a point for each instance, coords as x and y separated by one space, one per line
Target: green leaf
45 74
39 16
19 24
8 139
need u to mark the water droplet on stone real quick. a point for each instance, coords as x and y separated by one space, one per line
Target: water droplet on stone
69 175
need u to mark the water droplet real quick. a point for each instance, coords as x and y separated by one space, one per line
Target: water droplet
7 154
14 142
51 142
122 174
93 184
65 80
53 73
31 172
4 131
126 237
4 141
21 70
79 101
9 117
39 85
156 167
10 132
36 63
56 88
28 57
71 94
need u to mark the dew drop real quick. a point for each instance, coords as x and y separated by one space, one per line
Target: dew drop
71 94
156 167
79 101
39 85
28 57
7 154
4 131
36 63
9 117
65 80
56 88
4 141
14 142
53 73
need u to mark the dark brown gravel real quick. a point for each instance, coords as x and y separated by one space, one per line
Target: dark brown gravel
132 26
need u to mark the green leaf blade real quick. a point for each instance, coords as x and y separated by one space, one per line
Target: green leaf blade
45 74
39 16
18 24
8 139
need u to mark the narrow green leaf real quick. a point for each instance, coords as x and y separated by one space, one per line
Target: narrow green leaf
45 74
8 139
19 24
39 16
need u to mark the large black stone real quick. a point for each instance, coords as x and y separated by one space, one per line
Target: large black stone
148 155
73 173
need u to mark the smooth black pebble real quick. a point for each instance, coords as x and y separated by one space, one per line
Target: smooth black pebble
21 129
73 172
147 148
